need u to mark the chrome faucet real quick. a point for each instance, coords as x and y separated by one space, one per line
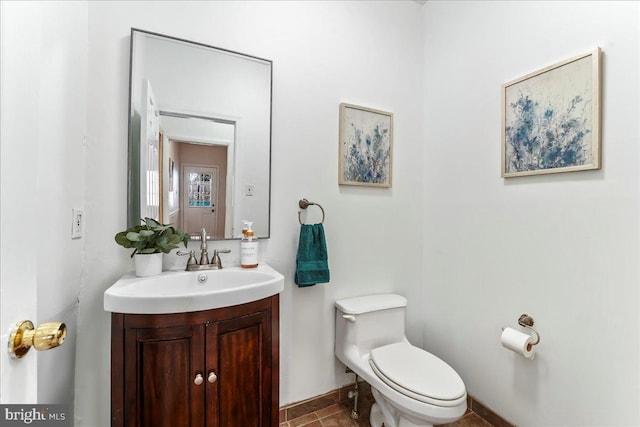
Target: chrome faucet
194 265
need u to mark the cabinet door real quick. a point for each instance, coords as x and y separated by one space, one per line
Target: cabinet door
161 366
239 353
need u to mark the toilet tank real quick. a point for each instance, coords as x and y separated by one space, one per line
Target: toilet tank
367 322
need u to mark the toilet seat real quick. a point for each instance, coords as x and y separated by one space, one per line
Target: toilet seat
417 374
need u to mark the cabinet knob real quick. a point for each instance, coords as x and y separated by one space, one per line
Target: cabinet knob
212 377
198 379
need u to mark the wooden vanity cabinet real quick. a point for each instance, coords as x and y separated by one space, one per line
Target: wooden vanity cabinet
214 368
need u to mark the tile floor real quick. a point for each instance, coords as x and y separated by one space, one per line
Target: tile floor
333 410
337 415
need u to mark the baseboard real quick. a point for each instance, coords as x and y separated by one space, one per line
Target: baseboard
365 400
487 414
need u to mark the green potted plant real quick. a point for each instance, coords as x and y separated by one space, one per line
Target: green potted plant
149 241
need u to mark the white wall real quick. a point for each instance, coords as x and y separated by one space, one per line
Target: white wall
324 53
563 247
43 124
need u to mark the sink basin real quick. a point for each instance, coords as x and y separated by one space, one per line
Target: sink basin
183 291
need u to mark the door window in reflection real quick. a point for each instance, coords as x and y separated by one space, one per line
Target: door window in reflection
199 190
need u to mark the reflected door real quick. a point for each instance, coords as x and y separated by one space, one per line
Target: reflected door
150 156
200 199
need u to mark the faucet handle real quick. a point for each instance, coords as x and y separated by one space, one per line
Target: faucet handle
192 257
215 260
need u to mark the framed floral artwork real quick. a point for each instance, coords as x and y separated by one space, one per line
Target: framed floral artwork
366 146
551 119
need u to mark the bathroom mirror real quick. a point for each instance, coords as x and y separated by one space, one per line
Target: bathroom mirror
199 136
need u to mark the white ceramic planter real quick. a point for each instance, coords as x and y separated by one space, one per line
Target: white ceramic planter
148 264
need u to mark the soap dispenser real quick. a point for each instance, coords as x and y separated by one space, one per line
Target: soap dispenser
249 249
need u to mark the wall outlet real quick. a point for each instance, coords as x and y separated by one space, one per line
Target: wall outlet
249 189
77 224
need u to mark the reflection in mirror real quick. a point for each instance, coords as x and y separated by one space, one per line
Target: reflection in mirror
199 136
198 153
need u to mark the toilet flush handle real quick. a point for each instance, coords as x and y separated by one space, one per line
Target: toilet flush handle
349 317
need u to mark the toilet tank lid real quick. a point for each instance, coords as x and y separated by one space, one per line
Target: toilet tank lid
369 303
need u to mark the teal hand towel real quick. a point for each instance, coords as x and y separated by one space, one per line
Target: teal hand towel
311 260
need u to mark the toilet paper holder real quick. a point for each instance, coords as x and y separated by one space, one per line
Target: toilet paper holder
527 321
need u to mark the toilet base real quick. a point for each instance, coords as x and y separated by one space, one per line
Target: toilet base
383 414
376 419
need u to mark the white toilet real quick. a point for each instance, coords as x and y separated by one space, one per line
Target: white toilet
411 386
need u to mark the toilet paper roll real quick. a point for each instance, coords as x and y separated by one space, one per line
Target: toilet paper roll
518 342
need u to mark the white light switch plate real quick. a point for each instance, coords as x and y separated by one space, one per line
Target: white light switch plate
77 224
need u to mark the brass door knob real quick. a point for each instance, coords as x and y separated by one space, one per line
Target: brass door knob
45 337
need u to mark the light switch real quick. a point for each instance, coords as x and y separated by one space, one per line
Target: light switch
77 225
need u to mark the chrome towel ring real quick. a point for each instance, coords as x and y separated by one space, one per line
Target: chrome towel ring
304 204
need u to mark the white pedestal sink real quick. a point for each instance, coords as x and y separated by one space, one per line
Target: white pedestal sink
185 291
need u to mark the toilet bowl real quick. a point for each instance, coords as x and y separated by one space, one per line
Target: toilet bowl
412 387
